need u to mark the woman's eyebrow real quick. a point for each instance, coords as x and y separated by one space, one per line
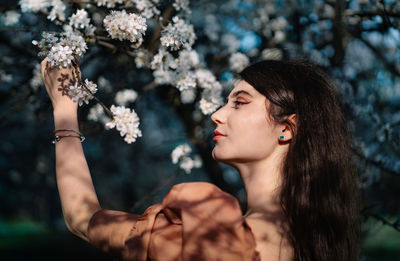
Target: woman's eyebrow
235 94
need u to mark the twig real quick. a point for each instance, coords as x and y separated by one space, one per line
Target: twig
108 45
375 163
394 225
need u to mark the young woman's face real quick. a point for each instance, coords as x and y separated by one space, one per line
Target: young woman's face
248 133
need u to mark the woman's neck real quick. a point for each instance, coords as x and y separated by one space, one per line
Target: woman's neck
262 181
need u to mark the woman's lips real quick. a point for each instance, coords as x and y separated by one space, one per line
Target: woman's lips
218 135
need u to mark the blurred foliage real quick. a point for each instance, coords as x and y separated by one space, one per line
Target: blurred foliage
356 42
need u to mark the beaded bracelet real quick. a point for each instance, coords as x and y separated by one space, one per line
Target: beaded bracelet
59 137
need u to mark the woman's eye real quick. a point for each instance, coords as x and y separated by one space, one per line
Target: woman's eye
238 104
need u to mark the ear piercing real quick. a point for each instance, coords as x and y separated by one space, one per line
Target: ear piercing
281 137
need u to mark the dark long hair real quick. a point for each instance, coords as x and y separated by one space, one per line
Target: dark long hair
319 193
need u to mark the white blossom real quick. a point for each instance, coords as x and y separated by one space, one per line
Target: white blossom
146 8
108 3
48 40
238 61
104 84
82 93
11 18
164 76
123 26
74 40
142 58
61 51
205 78
271 54
279 36
178 34
231 42
187 163
125 96
279 23
181 5
207 107
126 122
188 96
33 5
185 81
187 59
179 152
96 113
4 77
163 60
36 80
211 99
57 11
212 28
80 20
181 155
60 56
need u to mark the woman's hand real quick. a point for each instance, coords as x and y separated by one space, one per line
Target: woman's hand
57 82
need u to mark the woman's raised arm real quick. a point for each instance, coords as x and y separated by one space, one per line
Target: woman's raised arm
77 194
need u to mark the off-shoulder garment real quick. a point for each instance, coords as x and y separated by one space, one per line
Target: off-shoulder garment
195 221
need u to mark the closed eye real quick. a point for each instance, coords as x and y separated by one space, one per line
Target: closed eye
238 104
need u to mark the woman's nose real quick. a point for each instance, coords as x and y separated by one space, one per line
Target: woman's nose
216 117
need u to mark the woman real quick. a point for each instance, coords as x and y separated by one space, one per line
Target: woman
283 130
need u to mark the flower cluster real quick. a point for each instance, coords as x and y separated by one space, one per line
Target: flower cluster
62 51
108 3
163 60
57 8
60 56
34 5
211 96
178 34
10 18
188 96
187 59
205 78
36 80
57 11
82 93
147 8
210 100
185 81
181 154
181 5
181 73
75 40
142 58
80 19
126 122
123 26
271 54
96 113
125 96
238 62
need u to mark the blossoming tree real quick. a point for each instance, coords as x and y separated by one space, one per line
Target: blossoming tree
190 52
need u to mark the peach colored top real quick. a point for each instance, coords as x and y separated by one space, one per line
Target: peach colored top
195 221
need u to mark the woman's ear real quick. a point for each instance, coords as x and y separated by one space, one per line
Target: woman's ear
287 133
293 119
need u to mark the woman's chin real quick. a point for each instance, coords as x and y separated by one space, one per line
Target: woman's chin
218 156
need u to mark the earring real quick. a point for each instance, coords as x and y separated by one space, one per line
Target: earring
281 137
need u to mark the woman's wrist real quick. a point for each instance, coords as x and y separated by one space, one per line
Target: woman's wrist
68 108
65 118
